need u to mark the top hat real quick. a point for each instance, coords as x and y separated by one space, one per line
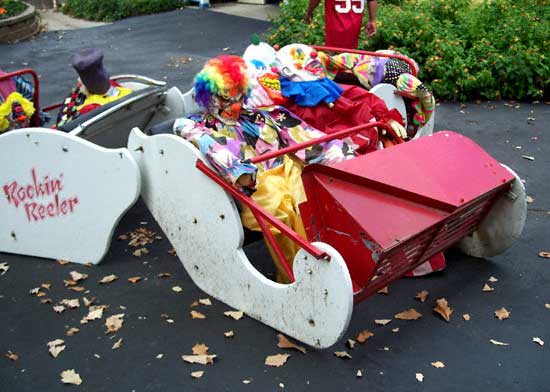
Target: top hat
89 65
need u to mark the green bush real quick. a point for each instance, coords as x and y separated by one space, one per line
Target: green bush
110 10
9 8
489 49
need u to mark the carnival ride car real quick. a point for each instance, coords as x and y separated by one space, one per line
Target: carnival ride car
368 220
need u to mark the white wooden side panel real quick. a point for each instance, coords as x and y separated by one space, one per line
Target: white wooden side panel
61 196
204 227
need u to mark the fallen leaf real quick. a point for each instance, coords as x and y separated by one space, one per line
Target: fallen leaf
76 276
93 314
172 252
62 262
547 306
409 314
502 313
71 303
41 294
134 279
114 323
194 304
364 335
88 302
422 296
443 309
359 373
538 341
123 237
205 301
492 279
201 359
351 343
159 356
140 252
229 334
46 301
285 343
438 364
46 285
58 309
117 344
34 291
236 315
55 347
12 356
72 331
395 330
382 321
486 287
497 343
247 381
77 288
342 354
419 377
529 199
69 282
108 279
466 317
383 290
197 374
164 275
276 360
200 349
177 289
70 377
546 255
197 315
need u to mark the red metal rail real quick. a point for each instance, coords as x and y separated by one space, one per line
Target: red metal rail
36 96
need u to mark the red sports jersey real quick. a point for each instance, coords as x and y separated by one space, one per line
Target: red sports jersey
343 20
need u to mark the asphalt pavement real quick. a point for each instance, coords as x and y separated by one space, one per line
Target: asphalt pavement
158 328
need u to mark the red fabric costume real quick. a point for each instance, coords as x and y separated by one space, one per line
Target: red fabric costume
343 20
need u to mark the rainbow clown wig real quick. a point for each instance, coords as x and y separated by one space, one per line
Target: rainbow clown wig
222 77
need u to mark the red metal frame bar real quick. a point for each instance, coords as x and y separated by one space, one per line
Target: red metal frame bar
36 96
337 135
366 52
261 213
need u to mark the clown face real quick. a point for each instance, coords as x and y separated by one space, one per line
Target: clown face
226 108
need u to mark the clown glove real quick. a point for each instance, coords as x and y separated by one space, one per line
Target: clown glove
398 129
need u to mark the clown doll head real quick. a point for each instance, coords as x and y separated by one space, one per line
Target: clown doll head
222 86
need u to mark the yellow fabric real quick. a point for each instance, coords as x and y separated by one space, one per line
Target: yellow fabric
6 108
101 100
280 191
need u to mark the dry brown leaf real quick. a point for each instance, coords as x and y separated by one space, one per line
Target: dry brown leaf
88 302
502 313
77 288
383 290
70 303
466 317
205 301
177 289
276 360
443 309
236 315
70 377
497 343
422 295
247 381
172 252
134 279
364 335
529 199
486 287
342 354
409 314
12 356
382 321
76 276
4 267
544 254
419 377
69 282
114 323
285 343
46 301
351 344
194 304
34 291
197 374
55 347
395 330
41 294
492 279
108 279
164 275
72 331
58 309
123 237
94 313
547 306
140 252
200 349
538 341
62 262
438 364
117 344
46 285
197 315
201 359
229 334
